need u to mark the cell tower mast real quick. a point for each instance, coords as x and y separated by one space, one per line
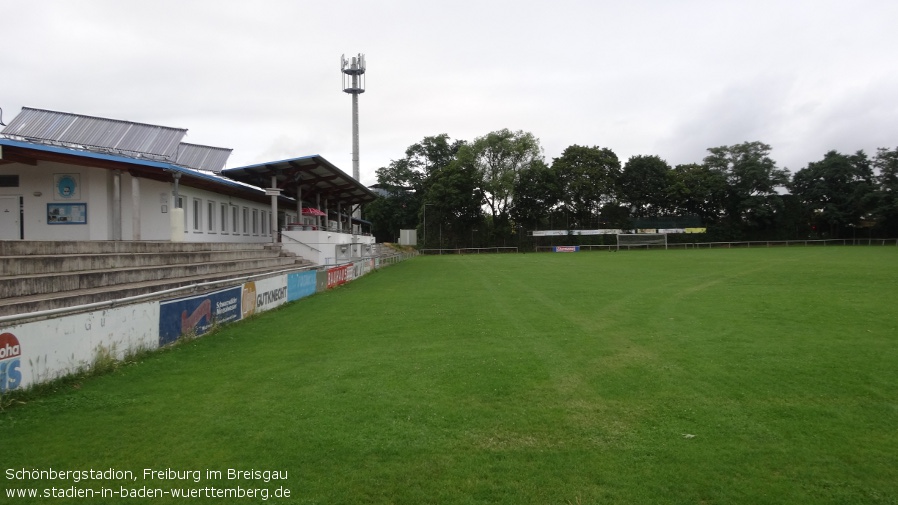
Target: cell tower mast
354 84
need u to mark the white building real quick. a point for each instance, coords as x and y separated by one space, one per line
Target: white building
73 177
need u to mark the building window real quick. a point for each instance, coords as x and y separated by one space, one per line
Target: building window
9 181
181 206
245 221
210 216
235 220
197 215
255 221
265 229
224 218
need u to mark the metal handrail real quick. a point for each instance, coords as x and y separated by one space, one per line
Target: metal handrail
300 242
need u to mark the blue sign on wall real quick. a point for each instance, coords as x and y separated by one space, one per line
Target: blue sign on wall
300 285
197 314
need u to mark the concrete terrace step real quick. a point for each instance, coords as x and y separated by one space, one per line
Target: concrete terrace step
50 247
54 274
23 285
34 303
37 264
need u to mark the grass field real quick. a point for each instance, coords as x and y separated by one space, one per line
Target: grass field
685 377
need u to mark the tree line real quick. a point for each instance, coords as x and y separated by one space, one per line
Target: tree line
496 189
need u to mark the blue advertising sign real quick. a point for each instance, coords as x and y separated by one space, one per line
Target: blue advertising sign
197 314
567 248
301 284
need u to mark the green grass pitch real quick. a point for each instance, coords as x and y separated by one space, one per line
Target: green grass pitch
687 377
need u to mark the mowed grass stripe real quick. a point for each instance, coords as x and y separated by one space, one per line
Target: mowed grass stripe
531 378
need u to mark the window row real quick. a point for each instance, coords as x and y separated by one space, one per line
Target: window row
224 218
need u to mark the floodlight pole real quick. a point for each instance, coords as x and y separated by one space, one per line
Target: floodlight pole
354 83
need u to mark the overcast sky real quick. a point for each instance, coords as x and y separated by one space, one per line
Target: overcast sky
663 77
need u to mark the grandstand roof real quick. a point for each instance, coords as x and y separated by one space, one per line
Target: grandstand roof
314 173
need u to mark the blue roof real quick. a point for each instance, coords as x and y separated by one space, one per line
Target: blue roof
160 165
83 154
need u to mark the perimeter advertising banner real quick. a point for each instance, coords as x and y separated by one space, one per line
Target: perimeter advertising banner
363 267
265 294
40 351
10 362
566 248
561 233
301 285
338 276
197 314
321 281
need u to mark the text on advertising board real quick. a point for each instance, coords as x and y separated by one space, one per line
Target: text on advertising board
10 362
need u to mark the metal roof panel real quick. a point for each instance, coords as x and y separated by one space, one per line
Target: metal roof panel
97 134
207 158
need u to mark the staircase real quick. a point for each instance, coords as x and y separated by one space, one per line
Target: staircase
42 275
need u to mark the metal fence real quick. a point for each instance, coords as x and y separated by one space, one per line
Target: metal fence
743 244
470 250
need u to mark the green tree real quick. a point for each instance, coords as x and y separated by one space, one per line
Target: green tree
405 181
697 190
752 181
644 185
396 209
835 191
433 153
536 192
421 160
498 157
886 206
453 204
587 176
389 214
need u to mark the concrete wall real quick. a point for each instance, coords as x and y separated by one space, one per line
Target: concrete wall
322 247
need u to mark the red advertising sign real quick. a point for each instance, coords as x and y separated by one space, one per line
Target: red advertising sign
10 362
337 276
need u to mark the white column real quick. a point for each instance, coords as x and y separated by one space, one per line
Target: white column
273 219
176 214
116 205
135 207
298 202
